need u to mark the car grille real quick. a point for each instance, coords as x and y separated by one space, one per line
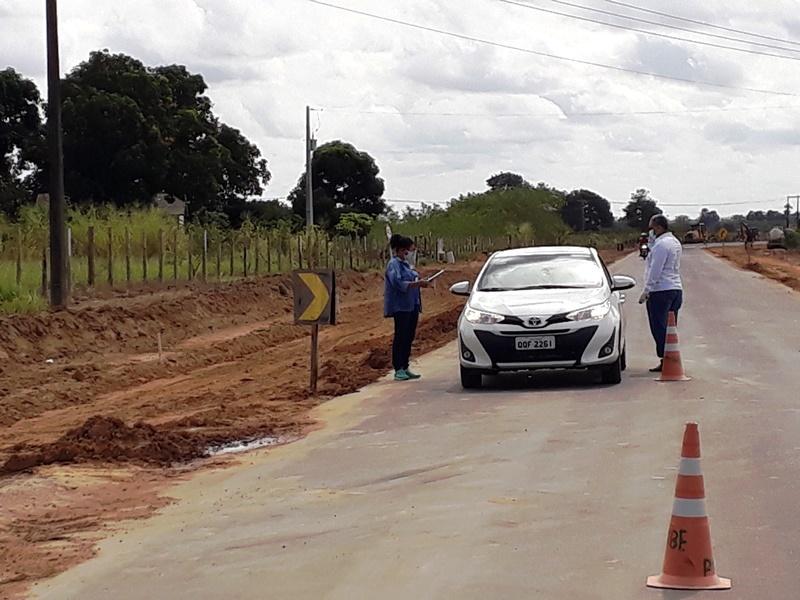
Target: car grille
569 347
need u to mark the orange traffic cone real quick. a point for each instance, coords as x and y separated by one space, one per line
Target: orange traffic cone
672 367
688 560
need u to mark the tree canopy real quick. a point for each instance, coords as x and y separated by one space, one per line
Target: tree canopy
506 181
132 131
584 210
20 138
344 180
640 210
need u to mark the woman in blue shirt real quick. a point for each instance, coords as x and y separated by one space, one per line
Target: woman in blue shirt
402 302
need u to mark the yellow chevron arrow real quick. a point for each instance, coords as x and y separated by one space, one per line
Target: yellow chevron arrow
321 296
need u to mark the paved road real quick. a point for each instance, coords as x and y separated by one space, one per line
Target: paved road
551 487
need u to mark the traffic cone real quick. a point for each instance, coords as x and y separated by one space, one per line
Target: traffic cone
688 560
672 367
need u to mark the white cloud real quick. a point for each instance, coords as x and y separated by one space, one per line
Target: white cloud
265 61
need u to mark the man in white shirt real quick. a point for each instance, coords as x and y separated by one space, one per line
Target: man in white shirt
663 289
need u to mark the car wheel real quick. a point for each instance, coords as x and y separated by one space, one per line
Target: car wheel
624 359
613 373
471 379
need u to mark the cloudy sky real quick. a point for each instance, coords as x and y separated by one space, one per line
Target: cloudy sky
442 113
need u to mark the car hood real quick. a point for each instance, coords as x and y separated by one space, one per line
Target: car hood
542 303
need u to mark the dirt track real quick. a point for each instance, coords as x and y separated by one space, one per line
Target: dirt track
93 424
780 265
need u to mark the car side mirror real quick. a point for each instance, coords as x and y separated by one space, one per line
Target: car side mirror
460 289
622 283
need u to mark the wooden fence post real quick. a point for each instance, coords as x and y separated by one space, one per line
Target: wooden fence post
144 256
161 255
19 256
256 252
175 255
219 260
110 256
233 250
90 254
127 255
269 253
189 257
44 271
204 265
244 258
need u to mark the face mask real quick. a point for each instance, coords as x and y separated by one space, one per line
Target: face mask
651 236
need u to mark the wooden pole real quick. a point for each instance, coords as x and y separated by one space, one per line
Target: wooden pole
190 276
44 271
19 256
161 245
175 255
219 260
204 265
144 256
269 253
127 255
314 357
256 252
244 258
233 250
110 256
90 254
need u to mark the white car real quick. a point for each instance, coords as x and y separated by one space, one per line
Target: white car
542 308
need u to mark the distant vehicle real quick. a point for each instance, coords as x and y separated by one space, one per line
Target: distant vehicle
696 235
644 248
776 238
542 308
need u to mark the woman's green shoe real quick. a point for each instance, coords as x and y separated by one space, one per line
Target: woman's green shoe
412 375
401 375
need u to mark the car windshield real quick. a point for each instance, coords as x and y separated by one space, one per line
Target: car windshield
543 271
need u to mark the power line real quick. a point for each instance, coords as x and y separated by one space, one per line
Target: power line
703 23
547 54
646 32
674 27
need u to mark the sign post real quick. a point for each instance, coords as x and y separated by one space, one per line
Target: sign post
315 305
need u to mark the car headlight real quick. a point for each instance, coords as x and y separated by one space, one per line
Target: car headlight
483 318
593 313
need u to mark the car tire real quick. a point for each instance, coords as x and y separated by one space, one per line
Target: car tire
624 359
471 379
612 374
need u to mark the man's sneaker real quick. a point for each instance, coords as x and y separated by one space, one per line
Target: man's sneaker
401 375
659 368
412 375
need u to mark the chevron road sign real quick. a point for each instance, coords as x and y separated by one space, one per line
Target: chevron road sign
314 297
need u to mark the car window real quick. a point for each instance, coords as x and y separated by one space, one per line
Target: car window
505 273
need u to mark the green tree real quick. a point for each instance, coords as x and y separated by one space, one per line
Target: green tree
345 180
640 210
131 131
711 219
21 136
354 224
585 210
506 181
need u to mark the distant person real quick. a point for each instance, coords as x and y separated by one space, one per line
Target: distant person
663 289
402 301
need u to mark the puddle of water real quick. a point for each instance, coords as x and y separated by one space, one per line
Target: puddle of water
242 446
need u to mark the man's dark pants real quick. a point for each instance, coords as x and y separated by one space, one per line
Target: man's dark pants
659 305
405 330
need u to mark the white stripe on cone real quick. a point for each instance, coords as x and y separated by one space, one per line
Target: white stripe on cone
683 507
671 348
690 466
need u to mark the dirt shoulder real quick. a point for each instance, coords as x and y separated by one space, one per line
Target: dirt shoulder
95 426
781 265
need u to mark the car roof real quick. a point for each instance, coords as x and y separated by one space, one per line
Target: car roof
581 251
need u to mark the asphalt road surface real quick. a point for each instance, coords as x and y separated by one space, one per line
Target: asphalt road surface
550 487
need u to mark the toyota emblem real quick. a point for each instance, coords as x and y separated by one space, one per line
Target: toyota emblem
535 322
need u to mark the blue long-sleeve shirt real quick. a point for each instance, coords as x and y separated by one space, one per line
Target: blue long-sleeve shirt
398 295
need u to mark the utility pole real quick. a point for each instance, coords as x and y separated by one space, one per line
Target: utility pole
787 211
310 147
797 214
59 283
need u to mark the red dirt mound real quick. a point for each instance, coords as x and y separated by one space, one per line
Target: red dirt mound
109 439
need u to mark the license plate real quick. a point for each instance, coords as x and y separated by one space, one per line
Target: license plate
541 342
